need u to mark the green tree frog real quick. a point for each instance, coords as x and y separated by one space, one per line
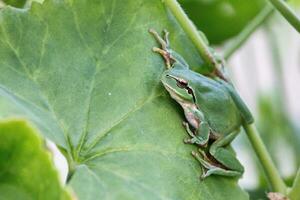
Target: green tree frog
213 110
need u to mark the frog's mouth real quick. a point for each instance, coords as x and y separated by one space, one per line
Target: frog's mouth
181 84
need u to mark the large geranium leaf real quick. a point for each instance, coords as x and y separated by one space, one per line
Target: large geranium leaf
26 169
84 72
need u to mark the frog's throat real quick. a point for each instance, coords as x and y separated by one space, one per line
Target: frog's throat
187 107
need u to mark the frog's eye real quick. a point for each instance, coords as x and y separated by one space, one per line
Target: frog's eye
182 84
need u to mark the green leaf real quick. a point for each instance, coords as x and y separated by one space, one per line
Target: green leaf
26 169
8 109
15 3
18 3
221 19
84 72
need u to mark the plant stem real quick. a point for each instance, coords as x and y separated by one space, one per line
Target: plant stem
294 194
239 40
261 151
192 32
287 13
271 172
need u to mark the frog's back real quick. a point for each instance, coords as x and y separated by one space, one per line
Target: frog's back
214 100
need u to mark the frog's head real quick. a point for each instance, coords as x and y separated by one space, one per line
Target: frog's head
176 83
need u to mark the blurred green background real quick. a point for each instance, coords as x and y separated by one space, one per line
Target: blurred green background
221 19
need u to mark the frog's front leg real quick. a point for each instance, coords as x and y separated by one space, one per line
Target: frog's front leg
229 165
201 135
164 51
164 42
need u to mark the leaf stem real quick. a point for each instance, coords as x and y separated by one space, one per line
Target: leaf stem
270 170
261 151
294 194
239 40
287 13
192 32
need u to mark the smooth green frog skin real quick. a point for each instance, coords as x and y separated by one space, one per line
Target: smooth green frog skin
213 110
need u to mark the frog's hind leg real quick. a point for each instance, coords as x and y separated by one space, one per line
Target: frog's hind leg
164 51
224 155
209 169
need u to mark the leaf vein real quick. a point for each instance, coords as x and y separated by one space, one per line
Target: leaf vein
126 116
